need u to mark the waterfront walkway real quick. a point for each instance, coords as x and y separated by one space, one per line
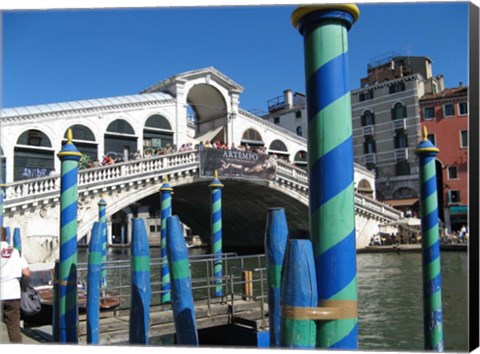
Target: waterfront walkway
4 336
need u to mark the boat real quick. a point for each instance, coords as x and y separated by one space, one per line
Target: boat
41 280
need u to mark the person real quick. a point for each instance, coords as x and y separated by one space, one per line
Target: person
13 266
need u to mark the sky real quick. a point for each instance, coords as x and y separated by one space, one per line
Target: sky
66 55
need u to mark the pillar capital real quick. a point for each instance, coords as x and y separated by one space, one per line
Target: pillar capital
306 15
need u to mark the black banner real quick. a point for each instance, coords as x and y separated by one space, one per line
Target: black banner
235 163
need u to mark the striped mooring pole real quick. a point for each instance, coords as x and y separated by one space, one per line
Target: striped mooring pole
183 307
330 162
102 219
216 230
67 281
276 235
17 240
166 210
432 277
299 296
2 196
8 235
141 291
95 261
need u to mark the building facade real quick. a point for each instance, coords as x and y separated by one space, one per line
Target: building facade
446 115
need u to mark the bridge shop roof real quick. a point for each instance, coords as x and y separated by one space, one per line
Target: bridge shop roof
83 104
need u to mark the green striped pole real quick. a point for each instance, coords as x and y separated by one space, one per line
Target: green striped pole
67 282
102 219
216 230
432 276
17 240
166 210
93 285
2 196
330 164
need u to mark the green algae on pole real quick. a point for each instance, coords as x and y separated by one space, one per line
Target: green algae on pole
183 307
67 281
330 164
141 291
432 276
276 235
166 210
102 219
216 230
299 295
95 261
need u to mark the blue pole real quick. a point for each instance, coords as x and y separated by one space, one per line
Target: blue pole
166 210
68 296
102 219
299 296
93 286
183 307
275 243
141 292
216 230
8 235
2 196
432 276
17 240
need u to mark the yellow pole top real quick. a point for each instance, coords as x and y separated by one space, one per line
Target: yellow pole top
165 179
303 10
215 174
425 133
69 136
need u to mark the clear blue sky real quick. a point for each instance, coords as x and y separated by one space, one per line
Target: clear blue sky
66 55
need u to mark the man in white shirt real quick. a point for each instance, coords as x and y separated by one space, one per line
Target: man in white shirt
13 266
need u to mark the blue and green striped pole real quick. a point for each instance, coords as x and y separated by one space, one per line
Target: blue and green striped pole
8 235
166 210
2 196
102 219
276 235
432 276
67 283
93 286
216 230
17 240
299 296
141 291
183 307
330 164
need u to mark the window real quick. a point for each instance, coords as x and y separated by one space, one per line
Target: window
298 114
152 228
452 172
453 197
431 137
368 118
276 120
448 110
429 113
369 146
366 95
299 131
401 140
399 111
463 108
398 87
464 138
402 168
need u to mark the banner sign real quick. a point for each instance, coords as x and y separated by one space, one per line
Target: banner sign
235 163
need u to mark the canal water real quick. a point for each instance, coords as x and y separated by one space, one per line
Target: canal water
390 299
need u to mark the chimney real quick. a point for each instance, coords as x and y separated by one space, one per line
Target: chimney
441 83
288 98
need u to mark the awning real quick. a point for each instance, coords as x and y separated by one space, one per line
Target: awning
401 202
209 136
460 209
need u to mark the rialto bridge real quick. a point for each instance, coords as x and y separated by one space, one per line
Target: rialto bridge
185 109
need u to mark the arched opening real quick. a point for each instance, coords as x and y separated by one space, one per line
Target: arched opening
278 148
33 155
120 230
157 134
84 141
207 113
401 140
252 138
120 141
365 188
368 118
300 159
399 111
299 131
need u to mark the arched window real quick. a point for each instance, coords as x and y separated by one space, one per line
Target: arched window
365 188
299 131
120 140
279 148
3 170
369 146
368 118
157 133
84 141
252 137
33 155
401 140
399 111
300 159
